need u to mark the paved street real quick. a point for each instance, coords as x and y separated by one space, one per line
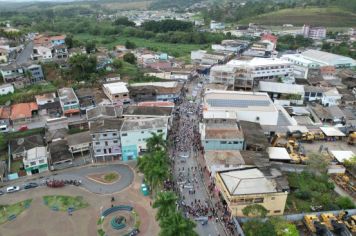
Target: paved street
193 194
25 55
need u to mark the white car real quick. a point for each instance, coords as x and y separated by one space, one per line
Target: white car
13 189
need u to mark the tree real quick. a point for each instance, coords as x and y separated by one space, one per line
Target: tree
3 142
130 45
156 142
255 210
283 227
166 204
257 227
318 163
82 66
130 58
177 225
117 64
69 41
124 21
344 202
90 46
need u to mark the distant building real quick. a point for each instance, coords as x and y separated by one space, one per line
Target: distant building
217 25
35 161
329 59
6 89
117 93
301 65
316 33
291 93
69 101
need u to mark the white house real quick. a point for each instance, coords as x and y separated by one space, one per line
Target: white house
293 93
197 55
41 53
35 160
6 89
301 65
117 93
331 97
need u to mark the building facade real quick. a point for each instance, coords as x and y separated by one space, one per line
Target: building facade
69 101
36 160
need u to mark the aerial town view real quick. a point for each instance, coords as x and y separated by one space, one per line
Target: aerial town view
177 117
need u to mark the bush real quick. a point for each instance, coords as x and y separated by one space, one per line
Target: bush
344 202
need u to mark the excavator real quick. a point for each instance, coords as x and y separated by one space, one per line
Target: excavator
296 158
315 226
348 220
337 226
306 137
351 140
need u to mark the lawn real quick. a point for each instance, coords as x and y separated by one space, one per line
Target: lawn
176 50
25 133
62 203
111 177
330 16
13 210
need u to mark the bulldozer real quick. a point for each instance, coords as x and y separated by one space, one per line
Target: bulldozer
314 225
351 140
348 220
337 226
296 158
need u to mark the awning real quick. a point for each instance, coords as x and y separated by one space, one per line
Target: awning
332 132
341 156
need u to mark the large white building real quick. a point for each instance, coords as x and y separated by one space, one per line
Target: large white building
329 59
117 93
316 33
247 106
301 65
223 74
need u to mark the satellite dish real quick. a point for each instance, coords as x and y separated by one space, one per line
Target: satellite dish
20 141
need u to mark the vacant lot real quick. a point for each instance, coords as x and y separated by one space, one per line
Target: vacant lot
332 16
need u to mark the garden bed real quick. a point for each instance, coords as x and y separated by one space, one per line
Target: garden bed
62 203
10 212
105 178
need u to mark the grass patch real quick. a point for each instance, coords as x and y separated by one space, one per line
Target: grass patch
101 232
111 177
329 16
176 50
15 209
28 94
16 166
21 134
62 203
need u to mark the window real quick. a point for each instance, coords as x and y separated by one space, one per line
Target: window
159 131
98 150
97 143
42 161
222 142
236 142
114 134
104 151
258 200
32 163
142 132
115 141
124 134
277 211
106 143
206 141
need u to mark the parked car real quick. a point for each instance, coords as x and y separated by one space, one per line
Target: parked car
13 189
1 192
30 185
23 128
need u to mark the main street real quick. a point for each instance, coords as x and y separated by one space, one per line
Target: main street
194 198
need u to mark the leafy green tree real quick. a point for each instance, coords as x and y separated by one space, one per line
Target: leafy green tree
166 204
130 45
177 225
255 210
117 63
344 202
90 46
156 142
82 66
318 163
283 227
3 142
69 41
130 58
124 21
257 227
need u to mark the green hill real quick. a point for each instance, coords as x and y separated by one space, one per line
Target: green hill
330 16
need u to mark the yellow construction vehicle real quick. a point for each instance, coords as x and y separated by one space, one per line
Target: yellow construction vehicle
349 221
318 136
334 224
352 138
295 157
275 139
326 218
310 221
308 137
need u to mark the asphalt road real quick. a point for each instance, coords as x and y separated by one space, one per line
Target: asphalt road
126 177
25 54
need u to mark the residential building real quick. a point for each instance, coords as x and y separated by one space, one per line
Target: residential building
103 112
216 25
197 56
134 134
141 112
301 65
59 155
44 40
117 93
23 111
19 147
36 73
234 46
247 186
284 93
223 74
86 99
270 38
215 58
79 142
45 98
248 106
221 134
316 33
28 74
260 49
156 91
329 59
41 53
264 68
6 89
12 72
69 101
35 161
106 142
331 97
60 52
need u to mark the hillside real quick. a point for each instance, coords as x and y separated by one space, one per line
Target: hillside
330 16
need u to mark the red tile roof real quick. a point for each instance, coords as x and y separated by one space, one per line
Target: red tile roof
22 110
270 37
5 112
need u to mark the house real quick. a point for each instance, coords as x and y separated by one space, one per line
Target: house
48 104
221 134
69 101
331 97
270 38
4 54
197 56
6 89
248 106
282 92
44 40
79 142
103 112
86 99
214 58
60 52
156 91
134 134
59 155
233 46
316 33
216 25
35 72
260 49
117 93
35 161
329 59
21 74
142 112
19 147
23 111
243 187
45 98
106 140
41 53
11 72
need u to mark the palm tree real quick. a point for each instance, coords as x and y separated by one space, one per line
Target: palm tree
176 225
166 204
156 142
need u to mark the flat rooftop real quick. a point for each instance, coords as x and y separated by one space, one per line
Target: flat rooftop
67 94
225 100
151 123
118 87
282 88
247 181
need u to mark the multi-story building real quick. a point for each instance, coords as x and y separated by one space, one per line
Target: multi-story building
6 89
246 186
36 73
223 74
69 101
329 59
106 142
13 73
221 134
316 33
41 53
117 93
35 160
248 106
283 92
134 134
301 65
